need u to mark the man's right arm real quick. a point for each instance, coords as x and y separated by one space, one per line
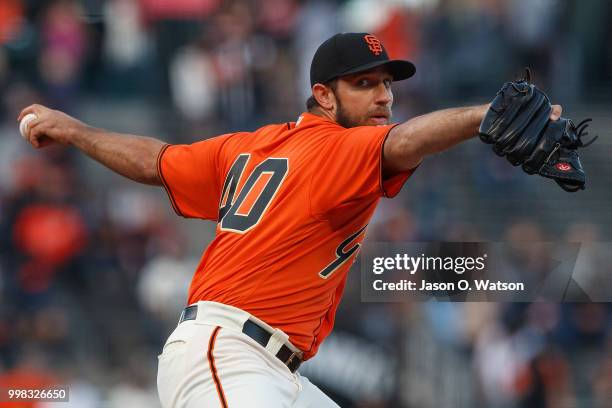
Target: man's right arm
134 157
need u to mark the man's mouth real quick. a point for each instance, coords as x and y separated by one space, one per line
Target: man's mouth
380 119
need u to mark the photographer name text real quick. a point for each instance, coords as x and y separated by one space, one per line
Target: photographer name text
463 284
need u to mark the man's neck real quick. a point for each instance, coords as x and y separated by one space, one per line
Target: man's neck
323 113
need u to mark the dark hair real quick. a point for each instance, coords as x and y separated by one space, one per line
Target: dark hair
312 103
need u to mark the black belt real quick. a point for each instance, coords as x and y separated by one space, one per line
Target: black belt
257 333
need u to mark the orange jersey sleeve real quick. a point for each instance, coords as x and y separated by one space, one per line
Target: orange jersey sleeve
350 168
190 175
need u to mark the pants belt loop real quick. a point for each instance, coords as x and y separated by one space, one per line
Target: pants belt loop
277 340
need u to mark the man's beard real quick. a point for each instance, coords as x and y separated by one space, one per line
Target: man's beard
342 116
344 119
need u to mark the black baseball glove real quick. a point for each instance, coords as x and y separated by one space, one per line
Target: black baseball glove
517 124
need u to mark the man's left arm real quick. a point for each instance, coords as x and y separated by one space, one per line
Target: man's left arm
408 143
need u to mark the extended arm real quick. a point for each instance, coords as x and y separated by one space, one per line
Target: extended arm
134 157
409 142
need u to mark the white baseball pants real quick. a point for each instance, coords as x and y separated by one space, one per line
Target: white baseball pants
209 362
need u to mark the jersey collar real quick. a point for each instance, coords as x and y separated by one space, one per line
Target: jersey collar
309 119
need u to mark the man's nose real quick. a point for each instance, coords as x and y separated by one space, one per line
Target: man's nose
384 96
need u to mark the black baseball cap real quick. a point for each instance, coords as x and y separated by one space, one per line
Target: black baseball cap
349 53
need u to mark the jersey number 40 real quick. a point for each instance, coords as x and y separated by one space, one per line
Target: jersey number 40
243 213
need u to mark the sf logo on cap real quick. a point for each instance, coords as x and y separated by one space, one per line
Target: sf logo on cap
373 43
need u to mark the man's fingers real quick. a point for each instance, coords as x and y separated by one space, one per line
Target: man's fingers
36 134
36 109
556 112
29 109
36 130
33 135
33 123
22 114
30 128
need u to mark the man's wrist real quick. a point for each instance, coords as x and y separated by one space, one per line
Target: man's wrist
77 132
479 114
481 111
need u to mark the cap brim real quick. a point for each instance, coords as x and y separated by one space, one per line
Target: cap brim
399 69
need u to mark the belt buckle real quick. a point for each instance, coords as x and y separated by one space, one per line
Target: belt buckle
291 357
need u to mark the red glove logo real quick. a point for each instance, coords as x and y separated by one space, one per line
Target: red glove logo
563 167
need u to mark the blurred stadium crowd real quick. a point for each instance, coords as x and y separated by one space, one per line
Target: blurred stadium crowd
94 269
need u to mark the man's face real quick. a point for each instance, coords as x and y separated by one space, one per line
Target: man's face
364 98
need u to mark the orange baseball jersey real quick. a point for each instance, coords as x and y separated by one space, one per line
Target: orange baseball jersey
291 202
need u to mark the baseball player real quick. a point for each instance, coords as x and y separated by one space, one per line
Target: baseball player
292 202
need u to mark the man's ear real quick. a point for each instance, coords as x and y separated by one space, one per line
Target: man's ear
324 96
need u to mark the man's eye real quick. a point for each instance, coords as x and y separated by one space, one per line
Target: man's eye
363 82
388 83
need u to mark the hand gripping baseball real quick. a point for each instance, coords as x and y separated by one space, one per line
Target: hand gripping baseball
42 126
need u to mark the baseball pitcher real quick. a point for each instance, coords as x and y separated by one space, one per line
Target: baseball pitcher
291 203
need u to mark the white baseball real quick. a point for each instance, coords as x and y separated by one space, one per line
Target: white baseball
23 125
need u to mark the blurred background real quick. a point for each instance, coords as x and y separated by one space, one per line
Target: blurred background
94 269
